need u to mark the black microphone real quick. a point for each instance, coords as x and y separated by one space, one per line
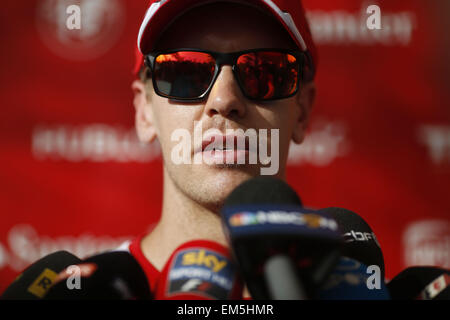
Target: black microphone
421 283
361 243
350 280
114 275
284 251
35 281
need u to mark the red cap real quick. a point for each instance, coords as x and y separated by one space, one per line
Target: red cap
289 13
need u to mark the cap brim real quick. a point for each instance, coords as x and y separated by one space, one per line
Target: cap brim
161 14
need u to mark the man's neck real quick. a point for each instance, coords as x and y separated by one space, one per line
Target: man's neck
182 220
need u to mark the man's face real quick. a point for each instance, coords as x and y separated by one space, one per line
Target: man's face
221 28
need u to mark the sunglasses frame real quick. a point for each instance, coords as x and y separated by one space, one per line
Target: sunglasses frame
306 70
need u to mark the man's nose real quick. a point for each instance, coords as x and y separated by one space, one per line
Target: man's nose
225 97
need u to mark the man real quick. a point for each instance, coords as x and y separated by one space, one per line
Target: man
226 99
240 71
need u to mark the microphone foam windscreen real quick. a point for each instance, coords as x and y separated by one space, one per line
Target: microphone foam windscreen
34 282
263 190
361 243
114 275
413 281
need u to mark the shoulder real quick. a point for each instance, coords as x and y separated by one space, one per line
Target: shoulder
133 247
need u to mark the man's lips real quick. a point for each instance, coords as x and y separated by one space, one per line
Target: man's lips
223 142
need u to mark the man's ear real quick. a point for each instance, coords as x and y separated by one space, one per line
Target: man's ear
144 118
305 102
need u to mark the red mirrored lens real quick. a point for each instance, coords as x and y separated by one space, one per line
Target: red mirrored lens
183 74
268 75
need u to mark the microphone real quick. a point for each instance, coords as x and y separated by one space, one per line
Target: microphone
35 281
114 275
361 243
284 251
350 280
421 283
199 270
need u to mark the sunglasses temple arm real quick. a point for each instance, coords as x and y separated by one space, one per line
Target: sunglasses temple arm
308 70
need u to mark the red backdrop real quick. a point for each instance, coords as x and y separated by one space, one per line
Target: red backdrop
73 175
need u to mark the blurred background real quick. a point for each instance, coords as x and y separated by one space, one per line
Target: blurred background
73 175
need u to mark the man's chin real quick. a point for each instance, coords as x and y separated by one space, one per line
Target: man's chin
216 187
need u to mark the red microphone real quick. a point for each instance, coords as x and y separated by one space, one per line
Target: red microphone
199 270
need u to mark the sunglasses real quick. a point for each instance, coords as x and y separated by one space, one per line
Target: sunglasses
262 74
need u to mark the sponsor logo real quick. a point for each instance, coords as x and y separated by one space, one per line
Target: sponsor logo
427 242
310 220
353 236
201 271
80 29
202 258
93 142
198 284
25 246
437 140
43 282
435 287
98 142
357 28
325 142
